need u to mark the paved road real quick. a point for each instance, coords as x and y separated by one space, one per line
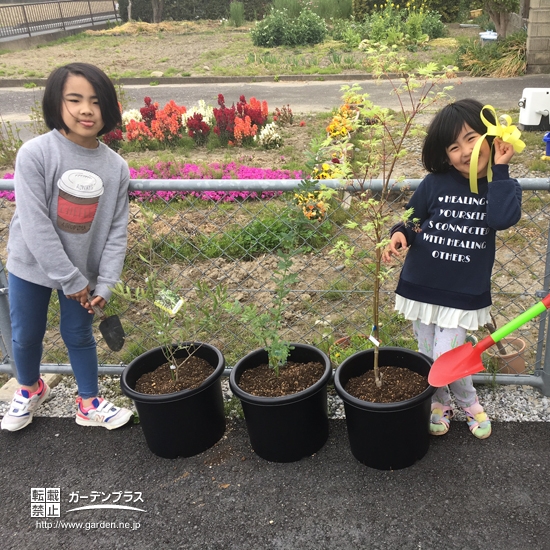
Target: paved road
302 96
465 494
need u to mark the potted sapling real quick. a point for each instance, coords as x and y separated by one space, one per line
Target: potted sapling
384 388
282 385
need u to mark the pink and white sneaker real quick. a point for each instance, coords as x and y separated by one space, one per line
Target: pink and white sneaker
23 405
102 413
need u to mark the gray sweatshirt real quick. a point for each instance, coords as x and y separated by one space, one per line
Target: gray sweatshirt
69 229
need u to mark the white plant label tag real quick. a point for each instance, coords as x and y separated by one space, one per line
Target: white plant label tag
374 341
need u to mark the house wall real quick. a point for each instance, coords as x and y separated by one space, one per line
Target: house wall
538 37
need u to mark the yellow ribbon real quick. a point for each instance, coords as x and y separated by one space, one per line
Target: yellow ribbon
508 133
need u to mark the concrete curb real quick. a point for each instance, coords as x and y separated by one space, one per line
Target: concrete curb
146 81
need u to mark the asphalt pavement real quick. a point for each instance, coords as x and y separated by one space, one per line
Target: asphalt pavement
303 96
465 494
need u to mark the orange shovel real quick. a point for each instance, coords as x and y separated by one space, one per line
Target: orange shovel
466 359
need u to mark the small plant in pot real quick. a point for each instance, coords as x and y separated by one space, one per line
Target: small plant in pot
180 379
283 385
385 390
176 386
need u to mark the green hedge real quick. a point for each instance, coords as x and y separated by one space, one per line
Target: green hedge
189 10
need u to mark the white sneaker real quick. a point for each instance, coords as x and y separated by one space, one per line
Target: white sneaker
102 413
23 406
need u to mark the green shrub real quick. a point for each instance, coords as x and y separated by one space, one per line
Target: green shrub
271 31
236 13
485 22
279 29
433 26
312 29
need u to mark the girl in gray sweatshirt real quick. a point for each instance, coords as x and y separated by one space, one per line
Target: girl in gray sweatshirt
68 233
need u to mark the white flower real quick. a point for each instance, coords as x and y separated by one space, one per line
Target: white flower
206 111
132 114
269 138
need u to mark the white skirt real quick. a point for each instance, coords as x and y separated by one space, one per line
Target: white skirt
441 316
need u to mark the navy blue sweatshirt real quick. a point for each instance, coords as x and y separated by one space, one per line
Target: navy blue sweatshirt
452 245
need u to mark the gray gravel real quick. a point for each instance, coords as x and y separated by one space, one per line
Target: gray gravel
502 403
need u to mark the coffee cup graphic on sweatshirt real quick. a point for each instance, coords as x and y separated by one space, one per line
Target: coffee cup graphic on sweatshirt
79 192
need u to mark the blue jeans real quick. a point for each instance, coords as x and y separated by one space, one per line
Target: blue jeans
29 312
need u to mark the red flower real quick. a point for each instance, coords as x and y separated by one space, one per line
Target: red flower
302 123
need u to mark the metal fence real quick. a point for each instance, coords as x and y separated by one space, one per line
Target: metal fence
211 240
39 18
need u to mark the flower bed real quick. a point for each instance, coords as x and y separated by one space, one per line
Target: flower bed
231 170
177 171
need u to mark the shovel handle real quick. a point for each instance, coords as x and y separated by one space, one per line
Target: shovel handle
520 320
97 310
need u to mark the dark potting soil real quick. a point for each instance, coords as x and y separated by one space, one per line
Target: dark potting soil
398 384
192 372
293 377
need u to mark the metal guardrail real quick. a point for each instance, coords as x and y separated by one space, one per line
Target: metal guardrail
29 20
327 297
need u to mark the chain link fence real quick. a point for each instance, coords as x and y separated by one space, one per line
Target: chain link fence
216 241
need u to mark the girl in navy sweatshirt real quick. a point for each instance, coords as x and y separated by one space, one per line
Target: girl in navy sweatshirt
445 284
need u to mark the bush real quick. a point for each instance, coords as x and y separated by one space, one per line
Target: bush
311 28
270 32
236 13
433 26
279 29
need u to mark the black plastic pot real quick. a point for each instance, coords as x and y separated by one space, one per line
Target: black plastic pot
285 429
386 436
182 423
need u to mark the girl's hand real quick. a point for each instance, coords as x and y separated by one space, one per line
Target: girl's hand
398 243
503 151
97 301
81 296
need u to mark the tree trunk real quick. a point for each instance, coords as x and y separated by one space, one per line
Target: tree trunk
500 19
129 10
158 7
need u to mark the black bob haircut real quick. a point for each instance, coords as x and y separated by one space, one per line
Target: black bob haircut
52 102
445 129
